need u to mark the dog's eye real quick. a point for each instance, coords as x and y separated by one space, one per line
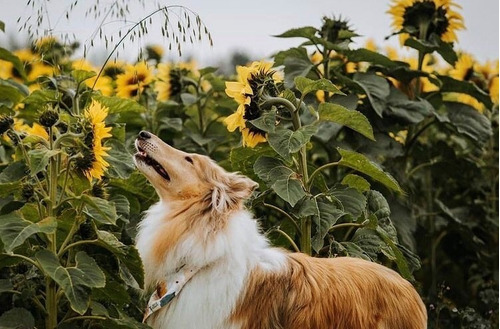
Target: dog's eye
189 159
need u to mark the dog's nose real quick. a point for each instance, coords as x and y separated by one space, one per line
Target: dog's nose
144 135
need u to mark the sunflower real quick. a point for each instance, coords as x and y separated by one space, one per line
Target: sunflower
169 82
33 65
134 80
422 18
253 81
92 163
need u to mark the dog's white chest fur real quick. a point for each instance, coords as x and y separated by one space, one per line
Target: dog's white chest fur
209 298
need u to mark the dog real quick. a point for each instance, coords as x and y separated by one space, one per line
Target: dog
200 238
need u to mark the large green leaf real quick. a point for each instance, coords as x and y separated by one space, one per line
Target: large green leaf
464 87
365 55
14 229
283 180
82 75
17 318
243 158
99 209
74 281
376 89
408 111
352 201
306 85
10 95
468 122
353 119
39 159
296 62
324 215
286 142
359 162
119 105
128 255
119 159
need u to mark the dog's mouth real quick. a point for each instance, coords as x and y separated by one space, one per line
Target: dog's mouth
142 156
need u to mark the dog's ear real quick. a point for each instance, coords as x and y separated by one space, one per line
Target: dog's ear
231 191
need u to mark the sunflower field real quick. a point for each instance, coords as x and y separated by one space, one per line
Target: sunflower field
386 154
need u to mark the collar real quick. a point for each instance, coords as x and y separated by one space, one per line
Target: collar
167 290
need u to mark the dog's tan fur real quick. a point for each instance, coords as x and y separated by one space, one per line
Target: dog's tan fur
308 293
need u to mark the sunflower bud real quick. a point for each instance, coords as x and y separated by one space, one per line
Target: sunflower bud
100 190
49 118
5 123
27 191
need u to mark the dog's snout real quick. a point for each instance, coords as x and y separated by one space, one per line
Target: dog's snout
144 135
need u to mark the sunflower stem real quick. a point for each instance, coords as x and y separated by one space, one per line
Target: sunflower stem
305 222
50 285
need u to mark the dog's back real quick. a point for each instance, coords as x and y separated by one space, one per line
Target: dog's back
338 293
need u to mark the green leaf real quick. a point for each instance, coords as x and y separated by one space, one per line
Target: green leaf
10 95
350 118
305 85
13 172
17 318
122 205
376 89
172 123
365 55
128 255
188 99
352 201
207 70
296 62
119 105
286 142
357 182
266 122
10 57
465 87
39 159
120 160
14 229
243 158
408 111
82 75
74 281
469 122
399 258
362 164
280 178
324 215
307 32
2 26
99 209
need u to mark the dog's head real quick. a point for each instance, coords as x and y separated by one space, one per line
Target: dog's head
181 176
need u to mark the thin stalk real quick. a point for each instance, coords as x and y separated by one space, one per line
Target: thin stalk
74 244
50 285
336 227
318 170
27 259
294 245
305 222
287 216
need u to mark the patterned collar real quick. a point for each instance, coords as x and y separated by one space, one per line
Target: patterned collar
167 290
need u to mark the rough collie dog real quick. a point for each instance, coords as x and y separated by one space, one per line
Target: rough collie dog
201 239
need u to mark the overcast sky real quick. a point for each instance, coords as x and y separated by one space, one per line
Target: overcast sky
248 26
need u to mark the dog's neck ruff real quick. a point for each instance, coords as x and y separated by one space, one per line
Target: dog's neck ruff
167 290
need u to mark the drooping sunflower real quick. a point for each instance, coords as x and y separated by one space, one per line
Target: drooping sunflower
92 164
253 81
422 18
134 80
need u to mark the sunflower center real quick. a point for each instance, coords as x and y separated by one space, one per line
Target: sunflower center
175 82
425 14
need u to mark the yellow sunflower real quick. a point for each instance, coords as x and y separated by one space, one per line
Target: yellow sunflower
422 18
251 82
134 80
93 164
